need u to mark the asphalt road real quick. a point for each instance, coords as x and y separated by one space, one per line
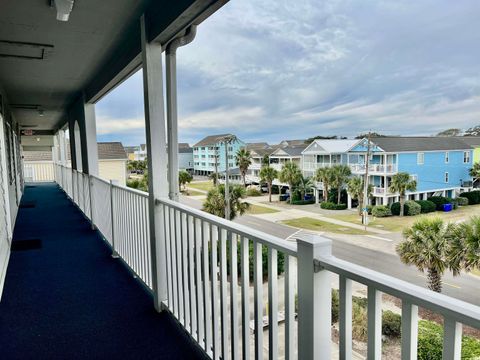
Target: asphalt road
465 287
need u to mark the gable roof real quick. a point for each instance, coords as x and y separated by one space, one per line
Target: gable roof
111 151
259 145
211 140
471 140
296 142
329 146
420 143
293 151
261 152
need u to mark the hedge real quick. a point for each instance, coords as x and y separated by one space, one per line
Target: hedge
454 202
333 196
430 342
439 201
391 324
332 206
381 211
462 201
410 208
472 196
303 202
426 206
253 192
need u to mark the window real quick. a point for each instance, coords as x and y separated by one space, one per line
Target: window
447 157
420 158
466 157
446 177
230 148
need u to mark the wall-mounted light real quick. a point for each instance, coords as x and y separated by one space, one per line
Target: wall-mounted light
64 8
40 112
38 139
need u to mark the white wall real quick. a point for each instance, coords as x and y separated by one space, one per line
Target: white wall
113 170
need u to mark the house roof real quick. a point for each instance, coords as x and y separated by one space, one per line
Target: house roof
293 151
261 152
131 149
37 156
211 140
471 140
111 151
297 142
259 145
419 143
329 146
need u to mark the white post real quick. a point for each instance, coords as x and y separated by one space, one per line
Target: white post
172 122
349 200
63 148
157 159
91 138
314 299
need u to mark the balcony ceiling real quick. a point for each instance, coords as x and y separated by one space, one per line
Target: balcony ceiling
91 53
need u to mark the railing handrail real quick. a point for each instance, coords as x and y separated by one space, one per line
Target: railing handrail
462 311
252 234
132 190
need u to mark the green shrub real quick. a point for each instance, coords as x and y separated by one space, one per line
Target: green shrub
462 201
332 206
439 201
426 206
335 305
333 196
381 211
253 192
391 324
359 322
303 202
369 209
410 208
472 196
413 208
430 342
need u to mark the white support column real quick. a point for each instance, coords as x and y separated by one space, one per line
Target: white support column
63 147
349 200
314 299
157 159
172 122
385 200
417 196
91 138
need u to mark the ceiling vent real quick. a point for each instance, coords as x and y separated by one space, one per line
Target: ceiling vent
24 50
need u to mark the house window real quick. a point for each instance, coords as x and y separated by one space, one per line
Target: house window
446 177
466 157
447 157
420 158
230 148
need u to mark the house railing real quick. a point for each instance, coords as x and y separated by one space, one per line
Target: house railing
374 168
38 171
215 273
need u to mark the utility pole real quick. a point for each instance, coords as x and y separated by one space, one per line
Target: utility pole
365 184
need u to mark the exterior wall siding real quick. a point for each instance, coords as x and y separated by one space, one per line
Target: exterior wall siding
431 175
113 170
204 156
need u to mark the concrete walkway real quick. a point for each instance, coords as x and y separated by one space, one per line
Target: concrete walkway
289 214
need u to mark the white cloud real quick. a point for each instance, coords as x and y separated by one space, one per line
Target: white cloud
107 125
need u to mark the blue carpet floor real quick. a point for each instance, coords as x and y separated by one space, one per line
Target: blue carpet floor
71 300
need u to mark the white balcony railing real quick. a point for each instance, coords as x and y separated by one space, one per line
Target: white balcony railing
374 168
312 166
379 190
208 265
38 171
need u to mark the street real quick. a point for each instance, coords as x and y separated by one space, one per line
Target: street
465 287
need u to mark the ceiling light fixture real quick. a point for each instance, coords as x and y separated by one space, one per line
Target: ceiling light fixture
64 8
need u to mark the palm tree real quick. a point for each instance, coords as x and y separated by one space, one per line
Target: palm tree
268 174
464 251
426 247
402 183
475 171
355 187
305 184
291 175
215 202
340 174
243 159
214 177
324 175
184 177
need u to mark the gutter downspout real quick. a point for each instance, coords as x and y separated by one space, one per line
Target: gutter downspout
172 115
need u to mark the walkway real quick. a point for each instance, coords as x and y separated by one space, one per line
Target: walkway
69 299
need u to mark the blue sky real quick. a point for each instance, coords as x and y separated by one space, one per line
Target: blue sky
270 70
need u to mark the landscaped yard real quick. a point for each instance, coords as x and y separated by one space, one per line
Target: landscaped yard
193 193
201 185
398 223
319 225
257 209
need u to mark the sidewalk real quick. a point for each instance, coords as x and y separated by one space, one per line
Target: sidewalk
288 214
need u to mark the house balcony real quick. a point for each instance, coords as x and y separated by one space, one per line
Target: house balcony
89 293
313 166
374 169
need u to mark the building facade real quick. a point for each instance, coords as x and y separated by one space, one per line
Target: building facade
209 154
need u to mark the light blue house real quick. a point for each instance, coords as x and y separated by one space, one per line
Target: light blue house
440 165
209 154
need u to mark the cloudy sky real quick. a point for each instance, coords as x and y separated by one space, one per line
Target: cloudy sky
268 70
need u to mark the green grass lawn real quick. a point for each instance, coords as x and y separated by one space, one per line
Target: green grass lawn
319 225
257 209
397 223
201 185
193 193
